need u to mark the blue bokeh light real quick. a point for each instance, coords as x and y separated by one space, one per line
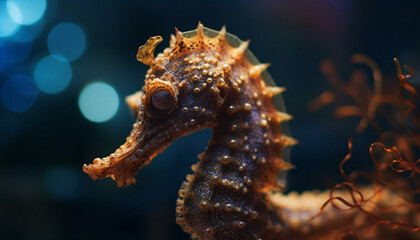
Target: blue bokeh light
98 102
26 11
11 52
7 26
28 33
18 93
22 36
67 40
52 74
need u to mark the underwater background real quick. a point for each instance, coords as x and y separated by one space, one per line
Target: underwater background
66 67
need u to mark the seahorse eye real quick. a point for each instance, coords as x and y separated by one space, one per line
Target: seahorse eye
162 100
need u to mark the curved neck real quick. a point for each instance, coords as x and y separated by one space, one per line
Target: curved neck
241 140
239 166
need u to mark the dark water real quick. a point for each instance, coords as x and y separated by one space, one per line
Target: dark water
45 195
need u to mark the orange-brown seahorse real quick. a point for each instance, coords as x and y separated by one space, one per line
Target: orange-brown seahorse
208 79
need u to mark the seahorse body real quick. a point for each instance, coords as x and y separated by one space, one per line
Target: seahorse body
208 79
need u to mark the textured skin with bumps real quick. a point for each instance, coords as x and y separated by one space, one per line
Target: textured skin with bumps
214 85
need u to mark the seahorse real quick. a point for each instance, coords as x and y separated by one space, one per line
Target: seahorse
209 79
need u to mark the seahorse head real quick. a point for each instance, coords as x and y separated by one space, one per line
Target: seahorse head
184 90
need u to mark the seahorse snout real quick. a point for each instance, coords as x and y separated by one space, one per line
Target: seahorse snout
124 163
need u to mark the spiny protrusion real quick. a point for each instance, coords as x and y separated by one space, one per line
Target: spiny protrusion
172 41
200 31
145 54
240 51
256 70
282 116
271 91
286 165
222 33
178 35
286 141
